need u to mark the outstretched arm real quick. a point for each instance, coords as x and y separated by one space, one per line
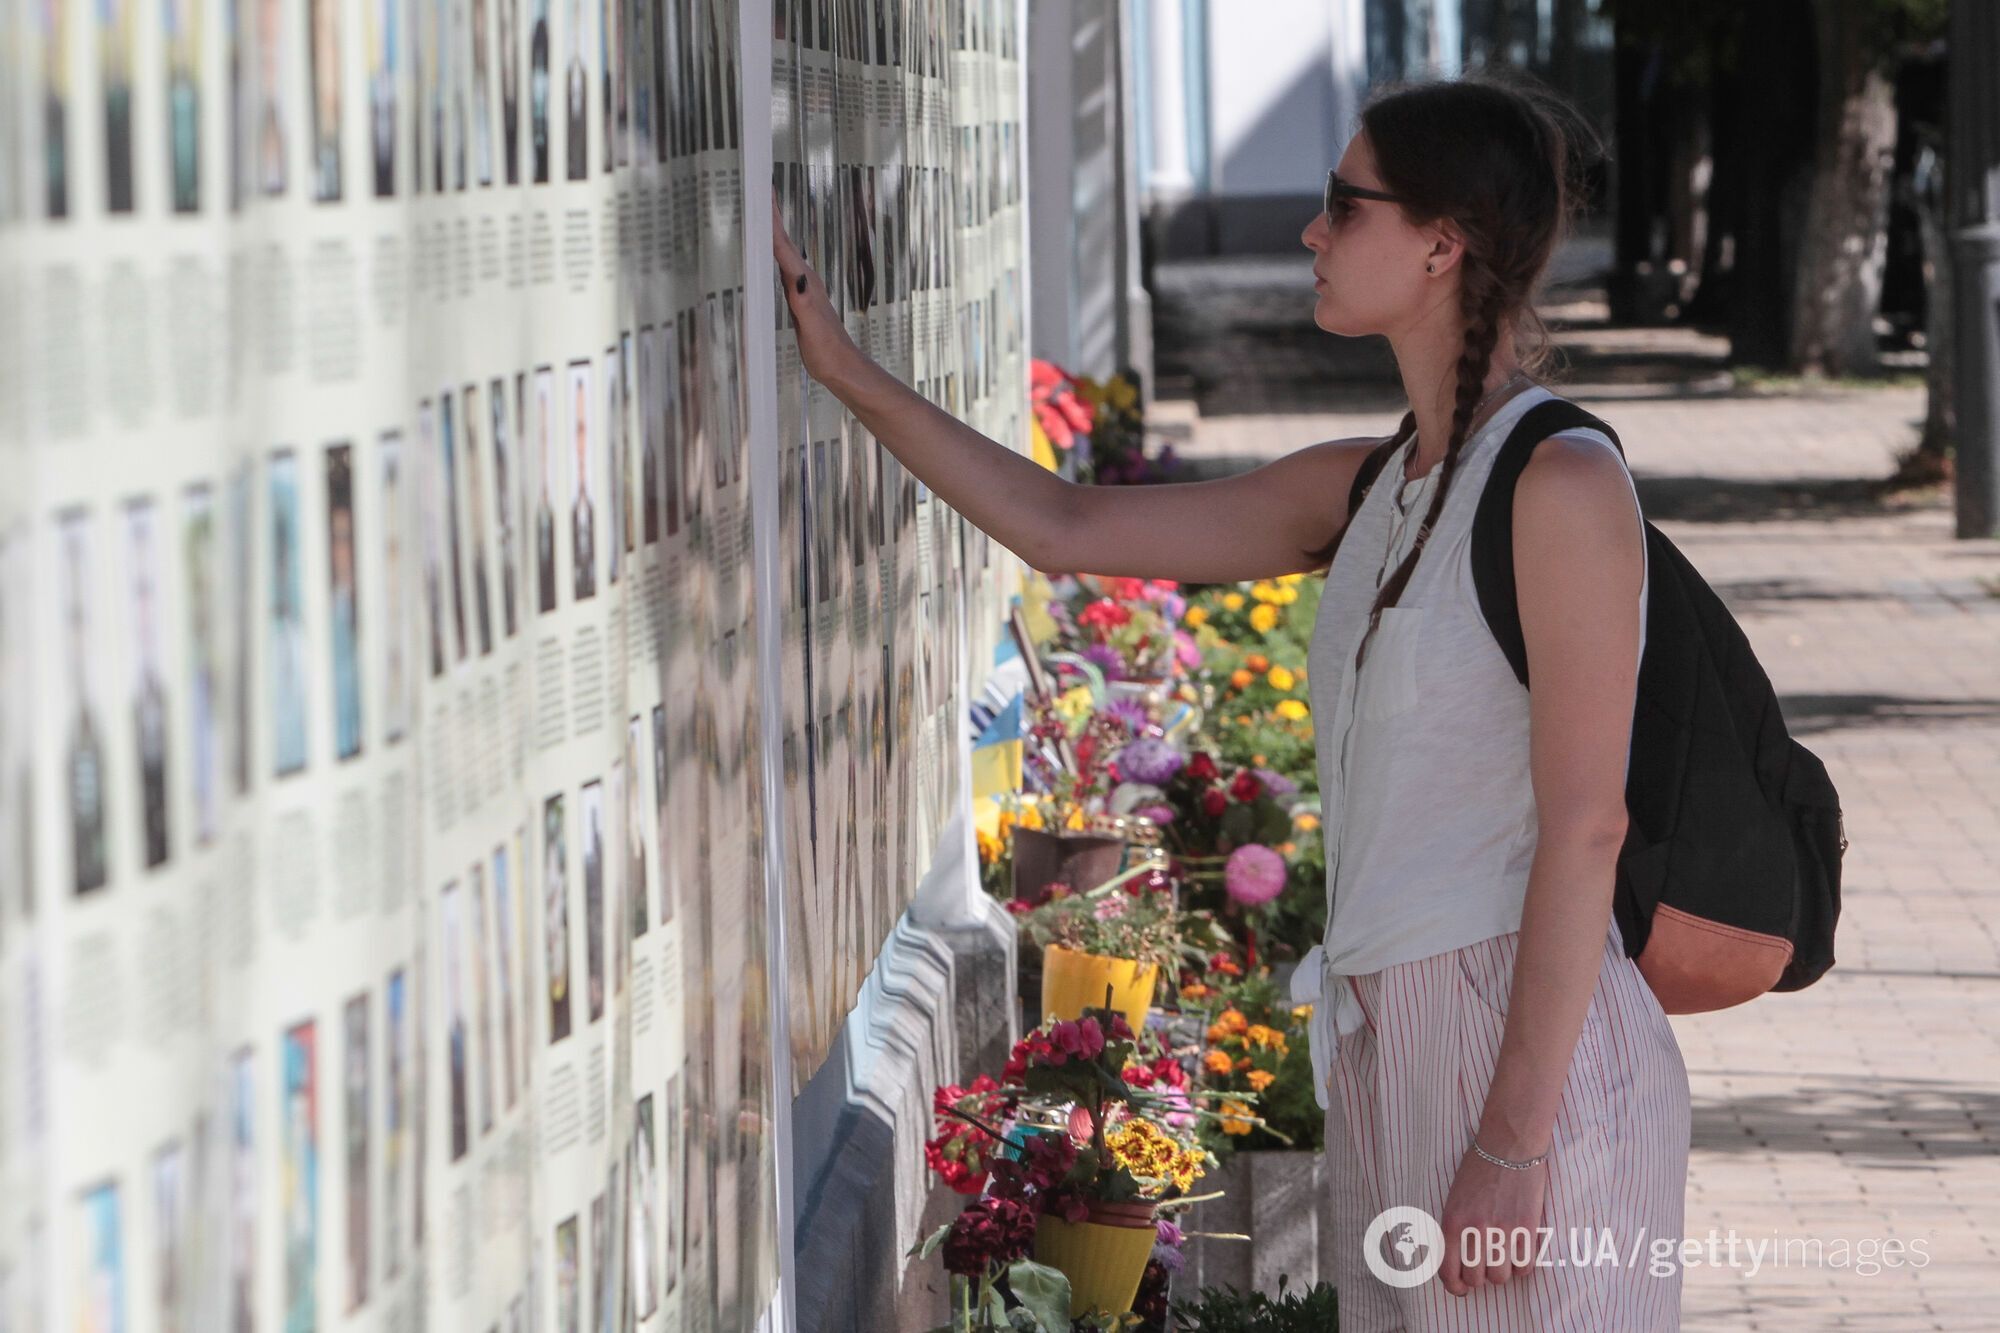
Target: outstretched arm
1257 525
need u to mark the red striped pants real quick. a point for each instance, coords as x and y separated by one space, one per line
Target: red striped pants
1409 1083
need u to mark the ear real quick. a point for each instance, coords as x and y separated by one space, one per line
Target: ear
1446 245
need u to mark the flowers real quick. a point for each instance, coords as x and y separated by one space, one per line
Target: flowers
1263 617
1254 874
1292 710
990 1231
1280 678
1153 762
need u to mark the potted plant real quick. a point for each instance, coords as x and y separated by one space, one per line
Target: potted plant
1092 1129
1114 940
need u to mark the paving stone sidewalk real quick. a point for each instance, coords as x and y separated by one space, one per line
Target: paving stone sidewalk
1866 1107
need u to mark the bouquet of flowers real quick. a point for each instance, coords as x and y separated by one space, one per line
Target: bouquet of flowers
1253 642
1127 628
1133 915
1255 1053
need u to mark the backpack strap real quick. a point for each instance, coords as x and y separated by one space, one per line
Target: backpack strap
1493 523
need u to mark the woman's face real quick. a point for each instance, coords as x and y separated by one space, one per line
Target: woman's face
1368 260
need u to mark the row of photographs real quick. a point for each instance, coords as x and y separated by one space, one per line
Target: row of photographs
883 32
659 83
470 603
380 1138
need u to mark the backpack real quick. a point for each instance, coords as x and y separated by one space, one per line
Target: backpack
1729 876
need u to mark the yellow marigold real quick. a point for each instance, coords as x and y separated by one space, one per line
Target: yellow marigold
1194 990
1232 601
1305 823
1232 1020
1241 678
1264 591
1196 617
1218 1062
1302 1013
1259 1035
1281 678
1286 596
1264 618
1030 817
989 848
1293 710
1235 1118
1006 824
1261 1079
1288 580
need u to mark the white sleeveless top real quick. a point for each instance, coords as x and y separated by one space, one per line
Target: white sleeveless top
1429 810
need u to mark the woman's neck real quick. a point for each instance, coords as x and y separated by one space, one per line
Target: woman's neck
1427 356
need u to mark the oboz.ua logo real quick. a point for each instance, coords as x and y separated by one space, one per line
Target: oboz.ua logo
1403 1246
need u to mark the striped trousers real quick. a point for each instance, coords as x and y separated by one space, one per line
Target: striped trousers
1409 1083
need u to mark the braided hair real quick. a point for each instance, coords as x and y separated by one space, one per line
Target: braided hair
1496 155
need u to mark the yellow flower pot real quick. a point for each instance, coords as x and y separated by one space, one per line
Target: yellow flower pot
1073 982
1103 1262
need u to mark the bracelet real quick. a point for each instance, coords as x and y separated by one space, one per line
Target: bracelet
1536 1160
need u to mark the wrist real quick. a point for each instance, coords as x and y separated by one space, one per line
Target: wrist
1512 1142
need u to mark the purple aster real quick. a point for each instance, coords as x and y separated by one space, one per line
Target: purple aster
1106 659
1276 784
1153 762
1129 711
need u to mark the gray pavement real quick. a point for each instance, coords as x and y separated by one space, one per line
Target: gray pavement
1866 1108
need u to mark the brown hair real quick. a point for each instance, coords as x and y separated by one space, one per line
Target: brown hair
1500 156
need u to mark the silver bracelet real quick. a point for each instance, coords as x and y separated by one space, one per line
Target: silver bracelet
1536 1160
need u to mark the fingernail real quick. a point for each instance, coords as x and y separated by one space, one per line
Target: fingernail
802 282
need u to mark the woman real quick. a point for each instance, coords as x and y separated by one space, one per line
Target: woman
1486 1050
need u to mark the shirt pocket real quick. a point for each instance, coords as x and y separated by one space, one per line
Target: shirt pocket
1387 685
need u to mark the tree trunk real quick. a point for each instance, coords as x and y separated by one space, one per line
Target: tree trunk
1773 131
1845 245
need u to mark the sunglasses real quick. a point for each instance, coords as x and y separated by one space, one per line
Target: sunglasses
1338 192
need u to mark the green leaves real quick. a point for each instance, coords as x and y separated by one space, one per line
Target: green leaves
1043 1293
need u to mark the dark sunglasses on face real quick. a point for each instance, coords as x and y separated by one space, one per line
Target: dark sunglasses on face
1339 193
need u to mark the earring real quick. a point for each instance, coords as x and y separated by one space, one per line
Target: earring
1430 268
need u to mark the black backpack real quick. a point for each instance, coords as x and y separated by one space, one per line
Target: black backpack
1729 879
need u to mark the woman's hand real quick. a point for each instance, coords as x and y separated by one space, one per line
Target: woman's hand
1503 1209
823 342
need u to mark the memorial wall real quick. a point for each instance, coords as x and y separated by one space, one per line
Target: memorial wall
383 770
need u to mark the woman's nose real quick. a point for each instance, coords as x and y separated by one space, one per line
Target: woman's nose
1314 235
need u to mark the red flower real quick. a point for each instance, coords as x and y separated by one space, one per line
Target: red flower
1105 613
1139 1076
1201 767
1246 787
1086 747
1213 803
1130 590
988 1232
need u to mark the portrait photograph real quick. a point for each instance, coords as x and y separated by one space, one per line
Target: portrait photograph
651 403
457 81
508 22
242 614
600 1306
382 33
615 473
555 917
504 483
504 928
149 690
172 1288
636 887
458 1052
268 128
482 97
395 1121
569 1314
354 1135
115 69
100 1287
84 737
433 526
645 1231
482 999
240 1232
660 811
298 1195
548 490
666 401
610 66
538 90
576 85
475 501
454 545
592 806
286 628
673 1216
395 631
324 16
183 36
617 916
343 601
621 435
645 30
583 511
52 19
198 541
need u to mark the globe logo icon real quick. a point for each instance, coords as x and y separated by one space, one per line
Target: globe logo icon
1403 1246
